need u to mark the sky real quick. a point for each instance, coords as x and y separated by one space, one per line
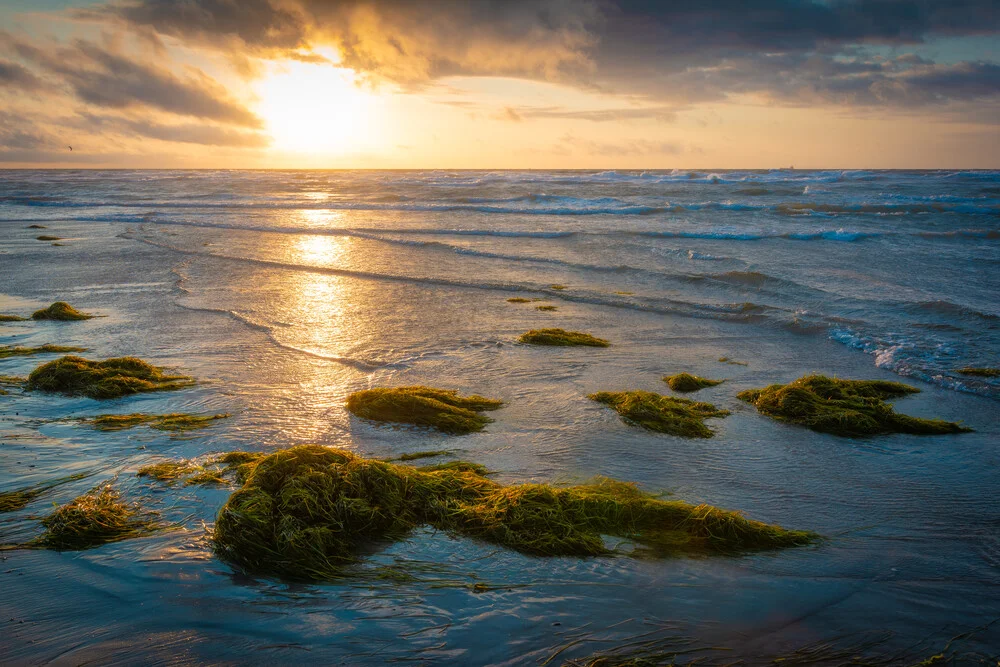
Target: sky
493 84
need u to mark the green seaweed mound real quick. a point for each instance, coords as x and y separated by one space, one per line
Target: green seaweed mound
687 382
60 310
9 351
843 407
305 512
175 421
663 414
442 409
110 378
94 518
980 372
561 337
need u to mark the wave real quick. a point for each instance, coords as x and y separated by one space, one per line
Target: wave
952 310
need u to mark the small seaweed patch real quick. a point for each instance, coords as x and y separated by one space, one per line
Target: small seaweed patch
561 337
12 318
626 293
210 473
47 237
457 466
558 287
663 414
94 518
732 362
18 498
62 311
7 351
176 421
442 409
518 299
111 378
304 513
843 407
547 308
980 372
36 227
686 382
413 456
166 471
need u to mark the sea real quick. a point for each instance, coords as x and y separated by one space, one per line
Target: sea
284 291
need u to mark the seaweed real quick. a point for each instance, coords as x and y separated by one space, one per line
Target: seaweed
980 372
547 308
176 421
421 455
62 311
167 471
663 414
305 512
457 466
557 287
732 362
843 407
442 409
686 382
8 351
18 498
36 227
95 518
111 378
47 237
211 473
12 318
518 299
561 337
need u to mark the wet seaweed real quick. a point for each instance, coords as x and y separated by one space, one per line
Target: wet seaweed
980 372
61 311
457 466
36 227
48 237
732 362
304 513
843 407
442 409
413 456
663 414
167 471
111 378
18 498
12 318
176 421
97 517
518 299
558 287
8 351
686 382
547 308
561 337
212 472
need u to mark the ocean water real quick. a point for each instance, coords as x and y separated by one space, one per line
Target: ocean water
282 292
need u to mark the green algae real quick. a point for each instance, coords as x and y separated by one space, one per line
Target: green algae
47 237
304 513
61 311
97 517
11 501
843 407
561 337
111 378
558 287
212 472
663 414
732 362
457 466
36 227
8 351
12 318
518 299
167 471
980 372
686 382
547 308
175 421
413 456
442 409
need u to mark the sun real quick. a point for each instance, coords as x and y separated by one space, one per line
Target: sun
317 108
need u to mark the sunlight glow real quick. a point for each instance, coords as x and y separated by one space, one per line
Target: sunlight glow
318 108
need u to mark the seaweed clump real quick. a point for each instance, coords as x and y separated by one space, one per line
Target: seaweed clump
62 311
980 372
442 409
305 512
94 518
732 362
210 473
561 337
663 414
18 498
176 421
686 382
48 237
843 407
547 308
9 351
12 318
518 299
111 378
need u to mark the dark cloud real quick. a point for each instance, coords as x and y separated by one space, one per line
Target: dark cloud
187 133
18 76
19 134
108 79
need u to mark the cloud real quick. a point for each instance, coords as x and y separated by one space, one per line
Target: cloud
19 134
569 143
659 113
188 133
108 79
17 76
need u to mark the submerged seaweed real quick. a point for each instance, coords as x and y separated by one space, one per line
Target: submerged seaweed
686 382
561 337
210 473
980 372
7 351
547 308
94 518
663 414
442 409
176 421
62 311
48 237
12 318
413 456
732 362
110 378
518 299
305 512
18 498
843 407
557 287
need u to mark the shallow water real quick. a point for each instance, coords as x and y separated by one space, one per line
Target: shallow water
285 291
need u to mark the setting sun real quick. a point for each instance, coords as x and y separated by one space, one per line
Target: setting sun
315 108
